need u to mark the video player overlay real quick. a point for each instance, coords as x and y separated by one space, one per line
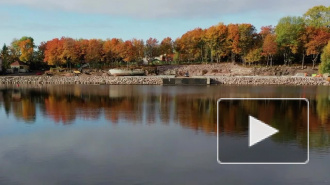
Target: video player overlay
263 131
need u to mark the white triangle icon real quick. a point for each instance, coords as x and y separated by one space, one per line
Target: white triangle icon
259 131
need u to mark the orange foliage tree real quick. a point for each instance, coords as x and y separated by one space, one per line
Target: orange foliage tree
191 45
111 49
54 49
166 47
127 51
269 48
233 40
71 51
138 49
94 52
317 40
215 37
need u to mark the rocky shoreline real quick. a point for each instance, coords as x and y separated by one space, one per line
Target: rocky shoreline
157 80
269 80
85 80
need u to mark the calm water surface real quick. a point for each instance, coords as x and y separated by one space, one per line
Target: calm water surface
144 135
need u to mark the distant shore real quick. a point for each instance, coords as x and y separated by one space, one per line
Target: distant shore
222 73
158 80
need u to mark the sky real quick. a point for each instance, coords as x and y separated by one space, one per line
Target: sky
102 19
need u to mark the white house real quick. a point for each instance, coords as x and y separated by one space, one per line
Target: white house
20 67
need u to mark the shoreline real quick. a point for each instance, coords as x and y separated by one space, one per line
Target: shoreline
158 80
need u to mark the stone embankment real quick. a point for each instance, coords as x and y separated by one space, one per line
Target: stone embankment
157 80
268 80
87 80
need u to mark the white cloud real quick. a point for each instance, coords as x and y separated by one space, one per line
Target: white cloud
172 8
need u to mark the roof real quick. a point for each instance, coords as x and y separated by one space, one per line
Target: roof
18 63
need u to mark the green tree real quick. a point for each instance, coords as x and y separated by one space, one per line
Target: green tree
288 32
318 16
14 51
40 53
5 56
325 60
37 61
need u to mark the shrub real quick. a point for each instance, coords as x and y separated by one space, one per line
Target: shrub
325 60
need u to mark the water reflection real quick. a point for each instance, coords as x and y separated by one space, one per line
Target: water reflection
287 116
191 107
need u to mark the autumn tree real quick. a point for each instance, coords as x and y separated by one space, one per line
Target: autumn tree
317 34
191 45
325 60
82 45
111 50
70 52
107 50
127 51
246 39
317 39
151 49
94 51
268 43
166 47
254 55
138 49
215 38
269 48
233 40
26 48
53 52
266 30
197 44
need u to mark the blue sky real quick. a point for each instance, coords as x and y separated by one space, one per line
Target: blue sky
47 19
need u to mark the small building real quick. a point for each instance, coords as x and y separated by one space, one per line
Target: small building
165 57
20 67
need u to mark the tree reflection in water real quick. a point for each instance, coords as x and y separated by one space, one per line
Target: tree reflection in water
191 107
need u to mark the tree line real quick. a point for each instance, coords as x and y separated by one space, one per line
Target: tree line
295 39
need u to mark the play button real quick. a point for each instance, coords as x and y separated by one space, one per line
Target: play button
259 131
263 131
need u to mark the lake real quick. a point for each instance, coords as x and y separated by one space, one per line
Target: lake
144 135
